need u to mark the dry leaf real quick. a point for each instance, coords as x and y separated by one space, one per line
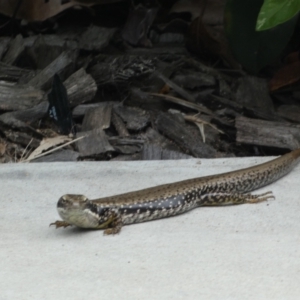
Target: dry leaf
286 75
32 10
47 144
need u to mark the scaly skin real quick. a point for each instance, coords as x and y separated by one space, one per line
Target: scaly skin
111 213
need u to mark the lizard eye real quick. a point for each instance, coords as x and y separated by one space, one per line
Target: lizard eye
64 199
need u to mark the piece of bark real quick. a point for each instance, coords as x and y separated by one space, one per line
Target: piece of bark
13 73
225 89
143 100
81 87
119 125
128 149
226 102
126 145
22 138
19 97
21 119
63 155
167 37
65 42
267 133
135 118
158 50
154 83
12 152
153 137
181 135
195 106
98 117
196 64
120 69
289 112
43 53
15 49
179 90
193 80
128 157
44 49
239 109
94 144
96 38
62 66
59 39
81 109
153 151
169 154
139 20
104 73
4 42
253 93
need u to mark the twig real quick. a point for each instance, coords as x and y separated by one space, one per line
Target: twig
183 103
195 119
23 153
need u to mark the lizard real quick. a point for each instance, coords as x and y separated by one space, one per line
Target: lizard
111 213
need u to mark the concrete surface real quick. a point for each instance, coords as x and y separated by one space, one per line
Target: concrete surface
233 252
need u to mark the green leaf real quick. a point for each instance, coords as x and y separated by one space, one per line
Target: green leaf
275 12
254 49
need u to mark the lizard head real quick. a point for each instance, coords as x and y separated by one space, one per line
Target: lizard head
76 210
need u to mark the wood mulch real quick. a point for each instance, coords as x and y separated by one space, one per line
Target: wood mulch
81 93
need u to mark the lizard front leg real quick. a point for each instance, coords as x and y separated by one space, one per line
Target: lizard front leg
59 224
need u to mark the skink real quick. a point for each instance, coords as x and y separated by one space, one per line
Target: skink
111 213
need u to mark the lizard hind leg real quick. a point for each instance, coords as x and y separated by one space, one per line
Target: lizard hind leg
259 197
218 199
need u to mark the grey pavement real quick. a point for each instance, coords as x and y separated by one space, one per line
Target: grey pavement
249 251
